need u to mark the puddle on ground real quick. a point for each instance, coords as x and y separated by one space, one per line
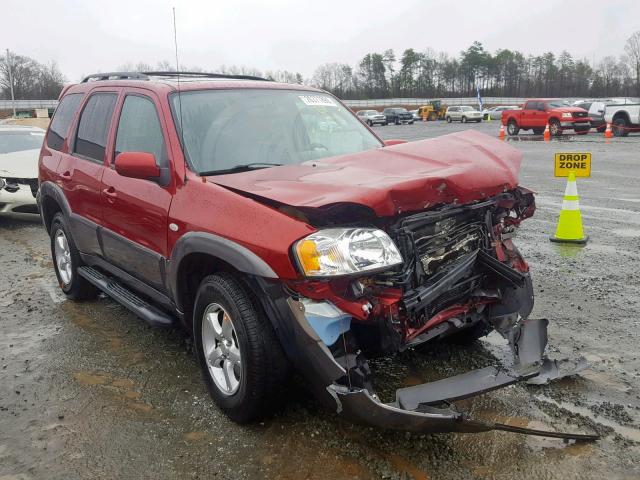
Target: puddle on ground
194 436
114 341
629 433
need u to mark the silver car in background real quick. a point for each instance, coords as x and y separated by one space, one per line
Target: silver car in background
495 113
463 114
372 117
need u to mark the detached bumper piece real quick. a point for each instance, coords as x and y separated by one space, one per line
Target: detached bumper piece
414 409
425 408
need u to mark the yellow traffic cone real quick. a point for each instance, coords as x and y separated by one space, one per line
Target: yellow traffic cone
570 222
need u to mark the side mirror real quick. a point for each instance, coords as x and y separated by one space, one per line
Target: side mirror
137 165
389 143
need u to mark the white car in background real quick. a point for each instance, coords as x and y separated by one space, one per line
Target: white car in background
19 152
495 113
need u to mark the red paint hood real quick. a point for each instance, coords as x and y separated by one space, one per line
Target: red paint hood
461 167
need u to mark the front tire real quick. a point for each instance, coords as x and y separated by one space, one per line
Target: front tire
66 261
241 359
512 128
464 120
370 123
448 119
554 128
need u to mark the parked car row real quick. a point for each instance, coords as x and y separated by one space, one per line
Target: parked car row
535 114
581 116
394 115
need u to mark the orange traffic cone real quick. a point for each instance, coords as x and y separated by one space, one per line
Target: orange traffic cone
608 133
547 133
501 134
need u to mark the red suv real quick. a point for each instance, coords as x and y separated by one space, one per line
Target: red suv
281 232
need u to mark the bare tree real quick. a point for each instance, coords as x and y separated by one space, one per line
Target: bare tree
632 47
31 80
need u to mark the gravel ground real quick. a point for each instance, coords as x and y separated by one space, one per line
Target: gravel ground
89 391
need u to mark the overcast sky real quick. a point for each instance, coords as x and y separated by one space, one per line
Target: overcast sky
298 35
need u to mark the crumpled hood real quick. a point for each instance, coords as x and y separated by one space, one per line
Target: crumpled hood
458 168
23 164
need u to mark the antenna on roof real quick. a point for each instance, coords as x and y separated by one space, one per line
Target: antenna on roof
175 42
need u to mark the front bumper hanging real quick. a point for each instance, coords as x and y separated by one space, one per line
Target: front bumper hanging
419 408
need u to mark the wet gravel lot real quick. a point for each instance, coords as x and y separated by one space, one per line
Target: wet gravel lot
87 390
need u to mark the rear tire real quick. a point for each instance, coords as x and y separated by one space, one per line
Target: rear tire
620 127
246 348
463 120
66 261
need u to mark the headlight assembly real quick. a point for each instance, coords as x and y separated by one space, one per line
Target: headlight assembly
344 251
567 115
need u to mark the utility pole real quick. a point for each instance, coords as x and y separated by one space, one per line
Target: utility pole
13 100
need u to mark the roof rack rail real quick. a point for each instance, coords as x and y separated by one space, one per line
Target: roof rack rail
203 75
115 76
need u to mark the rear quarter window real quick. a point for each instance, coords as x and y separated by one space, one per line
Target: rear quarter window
62 119
93 127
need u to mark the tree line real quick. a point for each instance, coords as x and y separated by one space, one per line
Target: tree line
505 73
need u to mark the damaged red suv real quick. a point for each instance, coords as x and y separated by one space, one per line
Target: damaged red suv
282 233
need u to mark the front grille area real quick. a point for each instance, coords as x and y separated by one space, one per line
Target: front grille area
441 251
580 114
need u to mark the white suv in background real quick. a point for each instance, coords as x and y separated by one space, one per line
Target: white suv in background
463 114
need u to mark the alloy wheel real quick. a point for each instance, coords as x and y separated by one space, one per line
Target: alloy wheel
63 257
221 349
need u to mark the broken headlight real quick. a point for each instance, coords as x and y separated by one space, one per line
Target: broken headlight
344 251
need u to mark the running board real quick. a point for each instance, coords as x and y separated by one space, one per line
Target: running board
143 309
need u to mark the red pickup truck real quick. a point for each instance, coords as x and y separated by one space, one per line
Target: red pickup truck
537 113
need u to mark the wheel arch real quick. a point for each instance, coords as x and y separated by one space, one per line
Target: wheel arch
198 254
52 201
621 114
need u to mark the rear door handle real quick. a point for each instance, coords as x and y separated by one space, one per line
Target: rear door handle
111 194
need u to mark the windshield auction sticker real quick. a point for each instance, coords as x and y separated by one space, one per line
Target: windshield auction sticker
578 163
318 100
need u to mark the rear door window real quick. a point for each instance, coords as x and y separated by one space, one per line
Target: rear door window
62 120
93 128
139 129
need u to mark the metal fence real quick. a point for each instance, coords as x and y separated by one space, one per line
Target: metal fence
27 104
473 101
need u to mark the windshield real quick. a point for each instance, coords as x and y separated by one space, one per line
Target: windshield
19 141
228 129
558 104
